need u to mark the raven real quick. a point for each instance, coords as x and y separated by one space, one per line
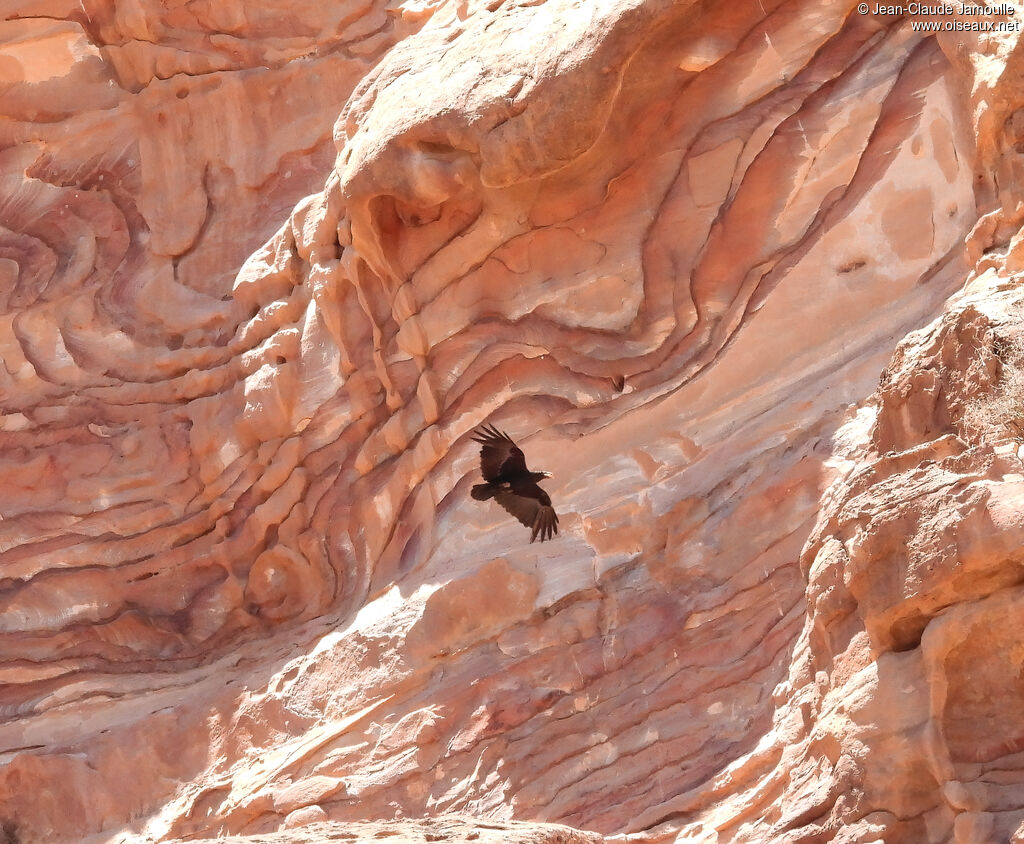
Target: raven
512 485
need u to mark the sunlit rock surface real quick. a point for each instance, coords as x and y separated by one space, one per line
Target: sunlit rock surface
447 828
743 277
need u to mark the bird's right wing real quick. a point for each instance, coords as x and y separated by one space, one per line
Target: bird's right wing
540 518
498 453
545 525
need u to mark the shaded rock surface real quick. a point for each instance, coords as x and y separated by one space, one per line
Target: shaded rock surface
744 277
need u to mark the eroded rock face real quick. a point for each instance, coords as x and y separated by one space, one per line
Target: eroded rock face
450 828
669 247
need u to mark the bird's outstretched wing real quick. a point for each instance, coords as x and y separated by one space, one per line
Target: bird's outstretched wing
499 455
533 509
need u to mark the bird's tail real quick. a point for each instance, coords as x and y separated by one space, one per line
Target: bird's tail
481 492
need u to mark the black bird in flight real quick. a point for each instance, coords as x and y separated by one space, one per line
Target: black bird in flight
512 485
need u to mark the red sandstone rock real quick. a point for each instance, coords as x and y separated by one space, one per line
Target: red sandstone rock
671 248
448 828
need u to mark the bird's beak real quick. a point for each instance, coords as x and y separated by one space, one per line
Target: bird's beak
546 474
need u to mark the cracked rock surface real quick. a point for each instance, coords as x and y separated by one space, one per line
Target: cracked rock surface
746 278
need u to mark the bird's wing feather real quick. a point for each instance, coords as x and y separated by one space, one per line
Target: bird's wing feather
539 517
545 525
499 455
524 509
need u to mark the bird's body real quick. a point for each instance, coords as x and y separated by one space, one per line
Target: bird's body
512 484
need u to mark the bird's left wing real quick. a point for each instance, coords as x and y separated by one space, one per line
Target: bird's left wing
498 453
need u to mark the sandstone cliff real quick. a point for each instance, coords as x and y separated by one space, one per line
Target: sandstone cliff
745 277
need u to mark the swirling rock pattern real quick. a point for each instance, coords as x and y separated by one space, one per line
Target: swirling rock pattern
669 247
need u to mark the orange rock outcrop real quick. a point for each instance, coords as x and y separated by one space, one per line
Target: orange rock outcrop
744 277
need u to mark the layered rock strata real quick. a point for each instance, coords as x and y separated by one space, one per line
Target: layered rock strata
670 247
